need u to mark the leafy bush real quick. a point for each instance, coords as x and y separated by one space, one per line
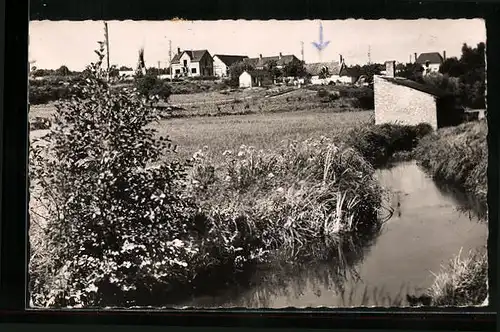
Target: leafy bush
378 143
149 85
116 228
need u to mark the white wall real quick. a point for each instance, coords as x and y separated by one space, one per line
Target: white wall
220 68
245 80
400 104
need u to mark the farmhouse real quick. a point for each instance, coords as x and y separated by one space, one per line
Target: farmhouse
430 61
326 72
281 60
254 78
399 100
192 63
222 63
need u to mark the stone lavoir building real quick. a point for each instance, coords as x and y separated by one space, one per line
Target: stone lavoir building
403 101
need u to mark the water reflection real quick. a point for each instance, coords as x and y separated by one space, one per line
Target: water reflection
424 231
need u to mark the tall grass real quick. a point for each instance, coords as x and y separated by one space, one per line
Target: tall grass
459 156
464 282
303 195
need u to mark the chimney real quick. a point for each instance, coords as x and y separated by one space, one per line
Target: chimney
444 55
341 59
280 55
260 56
178 50
415 57
390 68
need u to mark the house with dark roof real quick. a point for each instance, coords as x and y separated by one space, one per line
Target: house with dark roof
430 61
403 101
326 72
192 63
222 63
255 78
281 60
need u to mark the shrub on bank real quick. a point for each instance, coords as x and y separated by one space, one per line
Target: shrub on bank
459 156
114 229
464 282
379 143
305 194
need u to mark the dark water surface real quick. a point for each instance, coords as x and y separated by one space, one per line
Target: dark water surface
425 231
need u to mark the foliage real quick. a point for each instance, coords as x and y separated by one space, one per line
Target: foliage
287 200
458 155
464 282
272 68
150 85
114 227
236 69
63 71
411 71
379 143
324 73
470 69
368 71
295 68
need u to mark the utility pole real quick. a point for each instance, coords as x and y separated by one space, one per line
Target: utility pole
170 58
302 50
369 54
106 36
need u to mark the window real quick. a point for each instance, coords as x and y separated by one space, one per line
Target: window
193 70
185 63
177 71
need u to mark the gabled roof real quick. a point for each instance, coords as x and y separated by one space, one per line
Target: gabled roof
429 89
432 57
228 60
194 55
261 62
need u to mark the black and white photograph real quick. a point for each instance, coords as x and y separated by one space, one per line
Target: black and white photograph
257 164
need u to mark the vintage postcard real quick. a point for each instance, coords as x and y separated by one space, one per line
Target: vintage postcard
258 164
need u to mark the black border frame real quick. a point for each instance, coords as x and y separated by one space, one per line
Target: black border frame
14 162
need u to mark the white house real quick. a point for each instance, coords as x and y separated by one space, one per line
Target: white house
334 71
430 61
223 62
403 101
192 63
254 78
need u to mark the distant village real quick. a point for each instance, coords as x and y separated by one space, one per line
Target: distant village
200 63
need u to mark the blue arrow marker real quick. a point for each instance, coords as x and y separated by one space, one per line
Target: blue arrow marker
321 45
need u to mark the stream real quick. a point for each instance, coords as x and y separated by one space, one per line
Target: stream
430 225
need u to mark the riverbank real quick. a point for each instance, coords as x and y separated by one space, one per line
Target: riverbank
458 156
295 203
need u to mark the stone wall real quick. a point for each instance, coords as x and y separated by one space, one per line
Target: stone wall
400 104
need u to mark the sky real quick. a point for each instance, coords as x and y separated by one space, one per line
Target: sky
72 43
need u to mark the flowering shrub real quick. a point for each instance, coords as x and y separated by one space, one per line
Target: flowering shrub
114 226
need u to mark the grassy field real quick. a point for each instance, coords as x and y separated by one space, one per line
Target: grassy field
264 131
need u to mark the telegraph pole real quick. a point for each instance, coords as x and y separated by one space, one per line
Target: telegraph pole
302 50
106 36
170 58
